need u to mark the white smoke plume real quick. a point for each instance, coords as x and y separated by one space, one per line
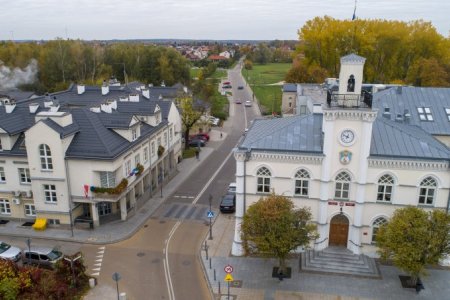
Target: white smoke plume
10 79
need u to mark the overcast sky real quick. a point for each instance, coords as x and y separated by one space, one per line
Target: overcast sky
197 19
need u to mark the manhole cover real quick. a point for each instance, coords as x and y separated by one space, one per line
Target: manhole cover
155 261
146 225
140 254
162 222
186 263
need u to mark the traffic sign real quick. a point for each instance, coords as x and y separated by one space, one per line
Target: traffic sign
210 214
228 278
228 269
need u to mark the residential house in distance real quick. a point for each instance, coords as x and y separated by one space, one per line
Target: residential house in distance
86 154
353 158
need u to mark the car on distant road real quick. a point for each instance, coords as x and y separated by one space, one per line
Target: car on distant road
228 203
238 101
214 121
204 136
240 87
227 86
227 83
43 257
9 252
248 103
196 143
232 188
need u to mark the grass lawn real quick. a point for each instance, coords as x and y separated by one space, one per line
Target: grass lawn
260 77
219 74
194 72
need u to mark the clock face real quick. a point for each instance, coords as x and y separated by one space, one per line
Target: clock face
347 136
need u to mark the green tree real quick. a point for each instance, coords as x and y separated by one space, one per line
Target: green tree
273 227
191 112
414 238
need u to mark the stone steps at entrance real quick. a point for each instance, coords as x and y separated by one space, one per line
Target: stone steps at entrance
339 260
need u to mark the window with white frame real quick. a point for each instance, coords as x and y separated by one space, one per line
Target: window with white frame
385 186
50 193
107 179
425 114
30 210
376 226
159 141
137 159
134 134
301 183
170 134
427 191
2 175
153 148
263 180
342 186
46 157
5 207
145 154
165 139
127 168
24 174
447 111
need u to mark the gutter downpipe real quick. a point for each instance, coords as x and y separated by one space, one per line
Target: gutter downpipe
69 196
247 158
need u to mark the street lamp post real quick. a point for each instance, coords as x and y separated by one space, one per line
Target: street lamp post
210 222
72 260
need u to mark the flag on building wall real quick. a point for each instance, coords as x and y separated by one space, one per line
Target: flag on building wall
86 190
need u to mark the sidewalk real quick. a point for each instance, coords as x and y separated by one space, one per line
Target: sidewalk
253 277
117 230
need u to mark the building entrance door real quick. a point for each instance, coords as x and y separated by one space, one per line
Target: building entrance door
104 208
338 230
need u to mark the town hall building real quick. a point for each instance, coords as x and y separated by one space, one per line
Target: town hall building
349 162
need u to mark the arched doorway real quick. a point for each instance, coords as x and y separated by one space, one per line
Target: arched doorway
338 230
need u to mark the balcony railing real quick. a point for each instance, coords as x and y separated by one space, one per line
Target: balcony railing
349 100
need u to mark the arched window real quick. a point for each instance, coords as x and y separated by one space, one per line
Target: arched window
385 184
375 226
263 179
301 183
46 157
427 191
342 186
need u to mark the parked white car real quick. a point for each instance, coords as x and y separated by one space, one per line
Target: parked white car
10 252
214 121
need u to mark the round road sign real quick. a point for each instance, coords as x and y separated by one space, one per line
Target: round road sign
228 269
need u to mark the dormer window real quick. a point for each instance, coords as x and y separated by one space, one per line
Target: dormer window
158 118
447 111
134 134
425 114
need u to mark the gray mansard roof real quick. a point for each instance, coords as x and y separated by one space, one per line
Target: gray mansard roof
399 99
94 137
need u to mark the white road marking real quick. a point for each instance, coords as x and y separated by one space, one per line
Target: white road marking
166 263
95 274
98 260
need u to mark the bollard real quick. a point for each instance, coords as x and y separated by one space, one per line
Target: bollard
210 263
206 250
91 283
123 296
214 274
219 288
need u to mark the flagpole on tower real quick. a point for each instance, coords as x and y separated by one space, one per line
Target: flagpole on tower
354 11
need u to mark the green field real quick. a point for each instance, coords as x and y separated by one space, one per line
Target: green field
260 79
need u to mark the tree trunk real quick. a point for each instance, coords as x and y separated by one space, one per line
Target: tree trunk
282 267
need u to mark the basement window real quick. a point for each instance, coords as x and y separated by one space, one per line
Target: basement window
425 114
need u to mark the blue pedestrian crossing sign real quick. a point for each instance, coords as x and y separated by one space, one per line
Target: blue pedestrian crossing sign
210 214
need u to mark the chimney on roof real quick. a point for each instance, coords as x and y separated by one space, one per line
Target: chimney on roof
163 84
9 107
123 99
399 90
150 85
407 116
105 88
146 93
47 101
95 110
106 108
387 113
33 107
81 89
134 97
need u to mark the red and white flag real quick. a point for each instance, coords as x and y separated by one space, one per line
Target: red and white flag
86 190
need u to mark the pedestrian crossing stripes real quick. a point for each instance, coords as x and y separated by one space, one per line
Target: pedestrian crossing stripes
185 211
98 261
184 197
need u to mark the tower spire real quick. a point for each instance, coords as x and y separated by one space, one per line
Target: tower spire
354 11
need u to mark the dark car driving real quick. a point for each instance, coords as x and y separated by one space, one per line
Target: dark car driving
228 203
196 143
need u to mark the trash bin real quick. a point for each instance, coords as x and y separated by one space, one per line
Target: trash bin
92 283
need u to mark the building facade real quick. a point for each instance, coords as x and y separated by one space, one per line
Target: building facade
349 164
88 154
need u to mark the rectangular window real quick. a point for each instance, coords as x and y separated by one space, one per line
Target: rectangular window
159 141
137 160
30 210
145 154
107 179
53 221
426 195
165 139
301 187
5 207
425 114
263 185
127 168
447 111
24 174
153 148
170 134
133 134
50 193
2 175
342 189
384 193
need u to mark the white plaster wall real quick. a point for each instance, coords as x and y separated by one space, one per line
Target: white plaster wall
8 141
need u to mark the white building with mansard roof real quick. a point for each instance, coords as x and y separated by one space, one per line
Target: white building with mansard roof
347 161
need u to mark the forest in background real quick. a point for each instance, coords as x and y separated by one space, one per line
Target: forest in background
396 52
51 66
